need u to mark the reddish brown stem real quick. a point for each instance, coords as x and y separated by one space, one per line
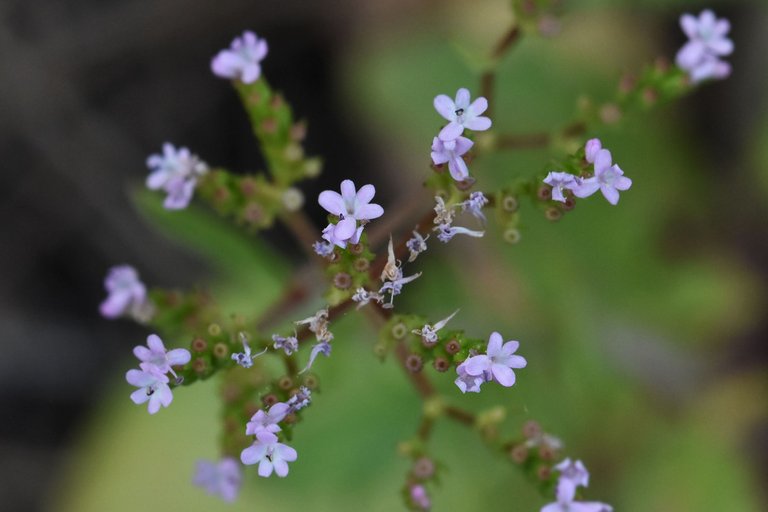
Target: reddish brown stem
460 415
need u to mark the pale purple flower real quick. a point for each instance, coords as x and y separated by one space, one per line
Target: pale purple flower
560 181
153 387
322 347
176 172
156 355
242 60
450 152
707 42
573 475
267 421
416 245
221 479
271 455
428 333
474 205
608 178
420 498
499 360
461 114
445 232
591 148
325 249
245 359
351 206
127 295
289 344
468 383
301 399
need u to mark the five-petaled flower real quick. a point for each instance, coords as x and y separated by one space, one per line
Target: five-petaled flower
242 60
155 354
267 421
351 206
461 114
573 475
153 387
608 178
176 172
271 455
498 361
700 56
560 181
221 479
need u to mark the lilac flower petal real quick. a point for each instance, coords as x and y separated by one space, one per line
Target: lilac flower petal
356 237
458 168
251 73
281 467
477 365
503 375
139 396
603 161
516 362
348 192
165 395
509 348
115 304
462 98
445 107
332 202
690 55
253 453
345 229
622 183
495 342
286 452
586 188
451 131
155 344
265 468
369 211
477 107
178 356
478 124
591 149
690 25
610 193
463 145
365 194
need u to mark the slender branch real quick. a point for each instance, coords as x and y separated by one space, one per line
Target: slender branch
460 415
523 141
488 78
303 230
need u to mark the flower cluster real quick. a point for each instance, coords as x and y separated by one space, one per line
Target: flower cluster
496 364
242 60
176 172
700 56
151 378
450 146
608 177
353 208
572 476
127 295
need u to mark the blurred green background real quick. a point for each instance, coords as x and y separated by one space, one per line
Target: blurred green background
641 323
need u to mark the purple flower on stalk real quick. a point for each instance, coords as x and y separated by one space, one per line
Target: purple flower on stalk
468 383
127 295
351 206
445 232
608 178
176 172
474 205
301 399
271 455
153 387
289 344
498 362
242 60
245 359
416 245
419 497
155 354
707 42
451 151
560 181
573 475
324 249
221 479
461 114
322 347
267 421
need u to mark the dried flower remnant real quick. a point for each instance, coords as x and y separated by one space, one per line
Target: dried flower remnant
428 333
289 344
242 60
245 359
416 245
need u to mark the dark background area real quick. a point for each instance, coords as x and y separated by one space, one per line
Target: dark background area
88 89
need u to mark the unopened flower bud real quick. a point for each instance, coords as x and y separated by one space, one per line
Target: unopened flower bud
466 183
380 350
553 214
423 468
531 429
293 199
509 204
356 249
441 364
399 331
544 193
312 168
214 329
270 400
298 131
342 281
414 363
569 204
512 235
199 365
199 345
285 382
248 186
269 125
221 351
546 452
519 454
253 213
610 113
544 472
453 347
290 418
311 381
650 96
361 265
